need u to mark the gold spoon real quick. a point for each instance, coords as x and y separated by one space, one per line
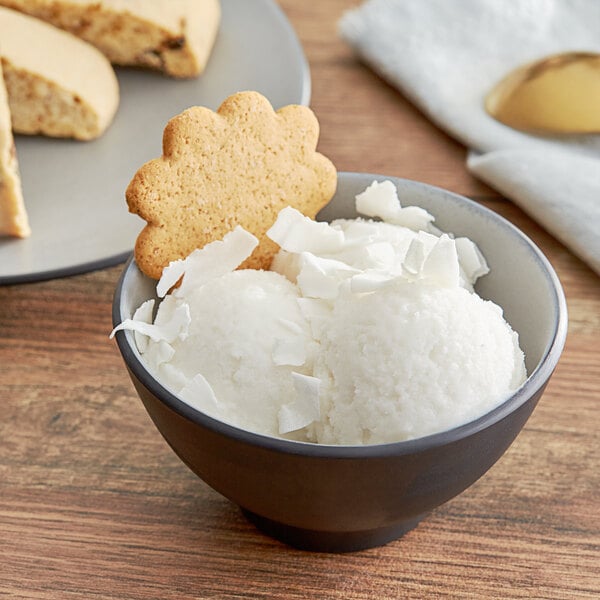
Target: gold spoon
558 94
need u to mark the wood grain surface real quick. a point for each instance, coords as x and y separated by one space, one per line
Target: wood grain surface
93 504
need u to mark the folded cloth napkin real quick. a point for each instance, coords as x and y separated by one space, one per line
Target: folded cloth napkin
446 55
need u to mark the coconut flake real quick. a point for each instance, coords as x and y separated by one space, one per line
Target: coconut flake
148 329
321 277
158 354
286 264
429 240
213 260
295 232
171 274
144 314
173 319
141 325
411 217
471 259
171 322
173 375
199 394
305 409
418 250
415 256
380 199
441 264
370 281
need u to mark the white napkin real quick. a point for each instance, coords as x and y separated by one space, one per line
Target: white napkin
445 56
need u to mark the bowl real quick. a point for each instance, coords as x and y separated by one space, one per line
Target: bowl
347 498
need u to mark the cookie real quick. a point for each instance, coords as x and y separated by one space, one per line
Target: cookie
239 165
13 217
173 36
57 85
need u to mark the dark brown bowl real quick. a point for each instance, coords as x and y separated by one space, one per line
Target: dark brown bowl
345 498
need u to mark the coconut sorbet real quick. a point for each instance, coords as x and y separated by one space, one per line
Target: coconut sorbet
364 332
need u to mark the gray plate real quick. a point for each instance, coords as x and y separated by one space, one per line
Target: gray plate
74 191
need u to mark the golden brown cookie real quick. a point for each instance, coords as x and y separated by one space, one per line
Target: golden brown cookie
238 166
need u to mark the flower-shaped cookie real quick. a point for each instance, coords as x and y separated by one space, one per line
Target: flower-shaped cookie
238 166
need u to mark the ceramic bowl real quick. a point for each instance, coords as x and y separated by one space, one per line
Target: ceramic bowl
346 498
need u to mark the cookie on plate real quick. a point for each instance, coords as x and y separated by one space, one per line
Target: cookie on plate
173 36
13 217
239 165
57 84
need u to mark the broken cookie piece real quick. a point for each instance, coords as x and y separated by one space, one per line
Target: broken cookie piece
57 85
13 218
172 36
239 165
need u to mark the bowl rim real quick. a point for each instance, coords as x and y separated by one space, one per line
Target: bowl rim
532 385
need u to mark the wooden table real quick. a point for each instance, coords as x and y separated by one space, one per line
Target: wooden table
93 504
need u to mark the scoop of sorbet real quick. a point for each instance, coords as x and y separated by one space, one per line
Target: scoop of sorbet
245 341
411 360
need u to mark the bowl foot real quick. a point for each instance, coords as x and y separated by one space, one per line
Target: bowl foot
330 541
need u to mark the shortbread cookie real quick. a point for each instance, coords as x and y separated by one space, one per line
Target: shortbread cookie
13 218
57 84
173 36
238 166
